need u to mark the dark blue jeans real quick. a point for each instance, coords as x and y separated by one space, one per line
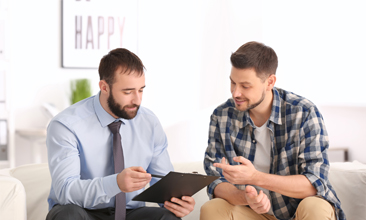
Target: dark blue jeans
73 212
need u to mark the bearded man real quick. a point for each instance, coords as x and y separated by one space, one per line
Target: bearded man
103 150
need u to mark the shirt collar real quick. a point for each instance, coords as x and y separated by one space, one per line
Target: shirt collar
275 116
104 117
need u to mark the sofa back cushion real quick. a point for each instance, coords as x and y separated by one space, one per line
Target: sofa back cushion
349 182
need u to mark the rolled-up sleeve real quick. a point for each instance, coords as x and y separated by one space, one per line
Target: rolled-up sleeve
214 153
313 158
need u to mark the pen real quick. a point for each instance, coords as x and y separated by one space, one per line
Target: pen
157 176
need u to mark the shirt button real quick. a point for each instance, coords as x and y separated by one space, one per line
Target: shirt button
253 141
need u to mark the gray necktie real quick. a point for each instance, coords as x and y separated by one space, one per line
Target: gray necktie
119 165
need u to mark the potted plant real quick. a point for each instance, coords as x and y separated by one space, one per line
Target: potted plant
80 89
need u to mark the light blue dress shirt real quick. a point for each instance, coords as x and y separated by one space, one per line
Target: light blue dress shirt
80 154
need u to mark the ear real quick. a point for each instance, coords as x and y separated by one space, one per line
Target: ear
271 82
104 87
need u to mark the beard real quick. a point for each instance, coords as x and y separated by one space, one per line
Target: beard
251 106
119 111
257 103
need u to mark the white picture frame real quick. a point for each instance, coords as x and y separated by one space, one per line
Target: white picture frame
90 29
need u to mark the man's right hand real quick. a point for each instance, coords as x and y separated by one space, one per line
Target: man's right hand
258 202
132 179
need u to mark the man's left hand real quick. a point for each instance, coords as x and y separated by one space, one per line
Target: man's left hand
238 174
182 207
258 202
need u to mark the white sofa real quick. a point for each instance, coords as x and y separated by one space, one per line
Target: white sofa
24 190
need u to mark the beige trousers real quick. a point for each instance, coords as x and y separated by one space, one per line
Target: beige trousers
310 208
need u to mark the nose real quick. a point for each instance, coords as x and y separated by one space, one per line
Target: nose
235 91
137 97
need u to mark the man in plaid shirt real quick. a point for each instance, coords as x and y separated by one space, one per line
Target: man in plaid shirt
270 148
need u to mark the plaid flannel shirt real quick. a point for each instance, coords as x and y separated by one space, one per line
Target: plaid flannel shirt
299 146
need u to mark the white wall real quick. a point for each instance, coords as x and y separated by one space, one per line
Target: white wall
36 73
345 126
185 46
320 45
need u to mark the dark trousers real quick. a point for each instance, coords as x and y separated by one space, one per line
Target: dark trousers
73 212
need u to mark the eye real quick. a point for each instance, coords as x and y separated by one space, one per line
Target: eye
245 87
127 93
141 91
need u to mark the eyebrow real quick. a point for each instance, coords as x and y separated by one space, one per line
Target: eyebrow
128 89
248 83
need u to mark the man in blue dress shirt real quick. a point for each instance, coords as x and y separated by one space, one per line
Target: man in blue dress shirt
80 149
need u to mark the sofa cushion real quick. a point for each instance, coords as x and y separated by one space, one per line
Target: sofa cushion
36 180
349 182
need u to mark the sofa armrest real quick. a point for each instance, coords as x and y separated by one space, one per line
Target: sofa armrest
12 199
36 180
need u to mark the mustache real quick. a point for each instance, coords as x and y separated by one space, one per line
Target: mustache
241 99
131 106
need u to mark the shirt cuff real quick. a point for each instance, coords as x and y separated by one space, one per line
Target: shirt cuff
110 185
317 183
212 186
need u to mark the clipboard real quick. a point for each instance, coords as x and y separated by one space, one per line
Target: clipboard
174 184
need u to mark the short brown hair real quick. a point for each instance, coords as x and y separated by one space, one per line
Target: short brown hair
258 56
116 58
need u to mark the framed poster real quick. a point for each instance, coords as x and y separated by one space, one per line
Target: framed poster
91 28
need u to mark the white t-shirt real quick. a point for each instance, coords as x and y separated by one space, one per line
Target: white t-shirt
262 159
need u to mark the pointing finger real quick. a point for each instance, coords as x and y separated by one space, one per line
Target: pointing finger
225 167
